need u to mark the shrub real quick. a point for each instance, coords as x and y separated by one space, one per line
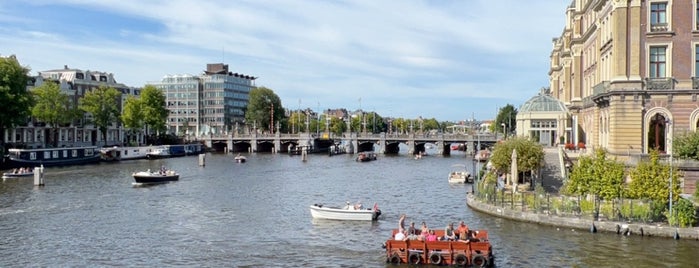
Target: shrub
684 214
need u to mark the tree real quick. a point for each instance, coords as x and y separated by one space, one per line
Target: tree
597 175
687 146
103 104
16 100
264 108
132 115
154 110
530 155
53 108
508 116
651 180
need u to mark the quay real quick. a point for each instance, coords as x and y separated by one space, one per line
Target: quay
356 142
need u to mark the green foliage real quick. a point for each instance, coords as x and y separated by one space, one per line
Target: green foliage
684 214
596 175
587 206
262 103
103 104
154 110
651 180
16 100
52 107
530 155
508 116
687 146
132 115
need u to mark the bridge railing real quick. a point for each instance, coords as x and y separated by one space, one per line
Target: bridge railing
360 135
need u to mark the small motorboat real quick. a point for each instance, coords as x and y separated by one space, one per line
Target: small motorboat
240 159
348 213
460 175
162 176
18 173
366 156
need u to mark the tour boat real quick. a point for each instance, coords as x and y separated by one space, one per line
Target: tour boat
51 157
162 176
348 213
474 252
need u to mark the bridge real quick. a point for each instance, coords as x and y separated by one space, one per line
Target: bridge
350 142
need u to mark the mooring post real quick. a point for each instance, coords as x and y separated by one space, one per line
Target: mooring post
39 176
202 160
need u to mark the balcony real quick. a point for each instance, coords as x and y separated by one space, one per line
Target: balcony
695 82
663 83
602 87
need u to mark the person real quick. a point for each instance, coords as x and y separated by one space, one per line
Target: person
462 230
413 233
401 222
431 236
424 231
449 232
400 235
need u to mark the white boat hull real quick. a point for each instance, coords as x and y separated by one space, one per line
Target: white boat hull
334 213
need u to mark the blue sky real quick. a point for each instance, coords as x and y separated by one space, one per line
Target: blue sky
449 60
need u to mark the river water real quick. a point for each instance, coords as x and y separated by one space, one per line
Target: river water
256 215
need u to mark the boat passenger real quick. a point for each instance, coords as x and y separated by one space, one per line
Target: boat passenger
401 222
462 230
400 235
358 206
449 232
431 236
424 231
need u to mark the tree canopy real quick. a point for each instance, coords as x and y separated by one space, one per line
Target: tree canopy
651 180
154 110
597 175
16 100
261 102
52 107
508 116
103 104
530 155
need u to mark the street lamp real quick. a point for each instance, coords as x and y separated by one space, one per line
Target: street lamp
669 149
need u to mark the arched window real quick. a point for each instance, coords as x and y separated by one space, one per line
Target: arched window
656 133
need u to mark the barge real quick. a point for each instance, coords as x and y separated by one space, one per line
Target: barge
476 252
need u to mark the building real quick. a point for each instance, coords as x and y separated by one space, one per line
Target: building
211 103
74 83
627 73
544 119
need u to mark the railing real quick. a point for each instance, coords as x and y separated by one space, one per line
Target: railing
664 83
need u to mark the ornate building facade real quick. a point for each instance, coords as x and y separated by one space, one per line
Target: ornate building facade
627 72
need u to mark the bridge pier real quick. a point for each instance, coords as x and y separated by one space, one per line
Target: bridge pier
382 143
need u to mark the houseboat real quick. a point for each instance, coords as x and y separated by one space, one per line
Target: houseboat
166 151
51 157
124 153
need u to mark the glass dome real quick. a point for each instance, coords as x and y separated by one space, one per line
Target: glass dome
543 103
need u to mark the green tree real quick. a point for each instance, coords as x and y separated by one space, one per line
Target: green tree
132 115
687 146
53 108
508 116
337 125
16 100
103 104
154 110
263 107
530 155
596 175
651 180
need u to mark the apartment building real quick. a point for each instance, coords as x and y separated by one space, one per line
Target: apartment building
74 83
211 103
627 73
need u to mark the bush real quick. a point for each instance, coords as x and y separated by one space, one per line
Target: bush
684 214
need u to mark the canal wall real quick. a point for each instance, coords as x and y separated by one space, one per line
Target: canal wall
611 227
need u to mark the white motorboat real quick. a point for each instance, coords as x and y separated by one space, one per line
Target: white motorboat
159 152
347 213
18 173
460 175
240 158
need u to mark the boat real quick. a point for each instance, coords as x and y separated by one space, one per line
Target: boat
459 174
482 155
149 177
240 158
118 153
474 252
176 150
366 156
348 213
51 157
18 173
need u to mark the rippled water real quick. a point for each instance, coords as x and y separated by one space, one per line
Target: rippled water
256 214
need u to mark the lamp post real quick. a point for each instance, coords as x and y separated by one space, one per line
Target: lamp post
504 130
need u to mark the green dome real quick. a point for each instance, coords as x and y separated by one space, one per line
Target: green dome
543 103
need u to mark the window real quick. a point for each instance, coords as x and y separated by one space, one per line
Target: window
657 62
658 14
696 61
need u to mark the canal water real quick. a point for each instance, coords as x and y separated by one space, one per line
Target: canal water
256 214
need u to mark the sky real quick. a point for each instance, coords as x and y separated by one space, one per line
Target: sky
451 60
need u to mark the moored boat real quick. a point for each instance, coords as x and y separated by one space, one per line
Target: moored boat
348 213
159 152
51 157
149 177
176 150
482 155
240 159
118 153
18 173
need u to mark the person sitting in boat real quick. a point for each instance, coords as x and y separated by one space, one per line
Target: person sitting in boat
462 230
431 235
413 233
449 232
400 235
358 206
15 171
424 231
163 170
